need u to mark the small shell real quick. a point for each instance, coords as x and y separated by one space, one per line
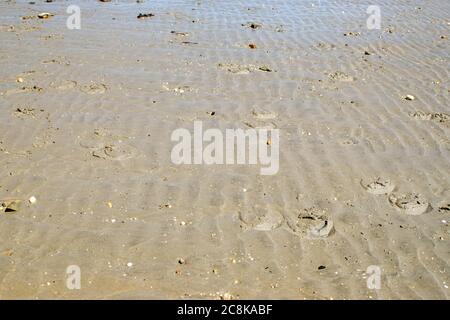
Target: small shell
44 15
32 200
322 230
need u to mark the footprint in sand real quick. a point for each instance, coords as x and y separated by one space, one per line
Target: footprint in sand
95 88
313 224
106 145
410 203
378 186
261 219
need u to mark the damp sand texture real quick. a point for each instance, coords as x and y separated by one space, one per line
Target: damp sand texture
87 179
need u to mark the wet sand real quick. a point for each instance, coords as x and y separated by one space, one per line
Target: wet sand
86 120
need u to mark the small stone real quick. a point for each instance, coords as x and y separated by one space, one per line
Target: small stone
265 69
145 15
129 264
410 97
44 15
20 80
32 200
321 267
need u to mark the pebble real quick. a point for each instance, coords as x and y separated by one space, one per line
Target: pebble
129 264
410 97
44 15
32 200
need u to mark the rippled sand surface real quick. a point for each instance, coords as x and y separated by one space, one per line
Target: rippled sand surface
86 118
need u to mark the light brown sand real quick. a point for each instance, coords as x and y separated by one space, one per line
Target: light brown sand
139 226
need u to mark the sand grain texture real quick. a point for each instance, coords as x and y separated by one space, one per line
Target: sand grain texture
86 130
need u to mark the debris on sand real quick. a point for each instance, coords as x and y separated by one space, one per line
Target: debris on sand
340 76
265 69
264 114
45 15
10 205
179 33
94 88
444 208
188 42
354 34
227 296
32 200
252 25
21 112
431 116
410 97
243 69
252 46
28 17
145 15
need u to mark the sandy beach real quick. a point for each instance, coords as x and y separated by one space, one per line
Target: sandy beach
87 178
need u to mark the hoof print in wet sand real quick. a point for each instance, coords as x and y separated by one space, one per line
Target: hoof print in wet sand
104 144
410 203
312 224
261 220
114 152
378 186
